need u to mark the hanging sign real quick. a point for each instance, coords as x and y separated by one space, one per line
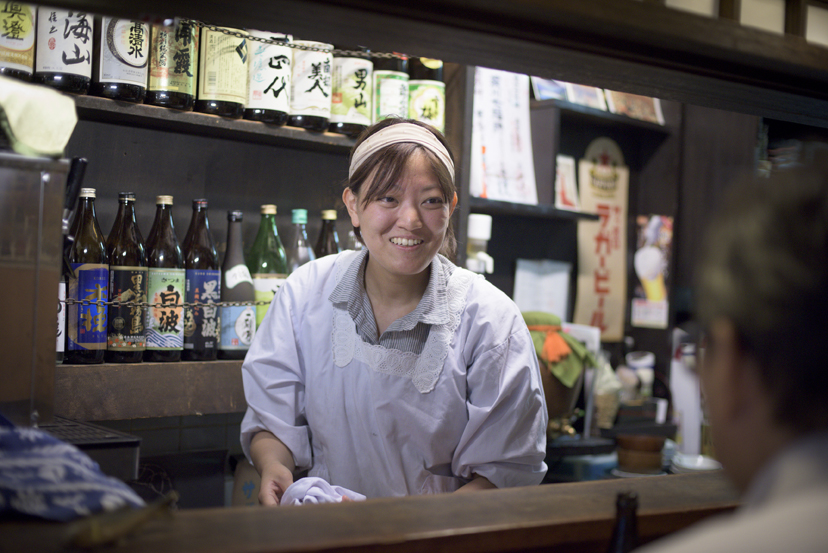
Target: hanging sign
650 262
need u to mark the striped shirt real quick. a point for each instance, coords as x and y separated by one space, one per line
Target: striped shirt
408 333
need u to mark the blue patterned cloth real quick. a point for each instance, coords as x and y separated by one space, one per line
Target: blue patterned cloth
48 478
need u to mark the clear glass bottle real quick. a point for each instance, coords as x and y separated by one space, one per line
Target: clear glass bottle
310 95
86 324
165 289
17 40
222 73
300 251
120 60
352 85
203 286
267 261
126 335
390 87
625 532
268 91
328 241
172 66
238 322
427 92
63 55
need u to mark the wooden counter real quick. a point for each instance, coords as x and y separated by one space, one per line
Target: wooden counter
553 518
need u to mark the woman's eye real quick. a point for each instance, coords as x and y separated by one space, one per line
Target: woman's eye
435 201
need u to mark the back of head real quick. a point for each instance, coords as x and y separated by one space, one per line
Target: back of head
765 268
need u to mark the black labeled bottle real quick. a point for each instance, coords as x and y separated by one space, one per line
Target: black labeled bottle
165 290
203 286
238 322
86 324
352 84
300 251
63 55
268 91
310 95
427 92
17 40
267 261
126 336
390 87
120 60
328 241
172 65
222 73
625 533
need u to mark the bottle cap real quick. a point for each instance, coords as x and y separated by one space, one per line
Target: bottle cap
299 216
235 215
329 215
269 209
129 196
431 63
87 193
164 200
200 202
480 226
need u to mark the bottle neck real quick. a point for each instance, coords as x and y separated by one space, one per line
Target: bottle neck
234 254
163 221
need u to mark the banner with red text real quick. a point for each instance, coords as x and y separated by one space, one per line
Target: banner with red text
602 248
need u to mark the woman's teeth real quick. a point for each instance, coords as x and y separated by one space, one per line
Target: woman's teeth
405 241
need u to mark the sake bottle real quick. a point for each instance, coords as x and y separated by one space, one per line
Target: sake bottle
300 251
268 91
351 100
17 40
165 289
427 92
203 286
120 60
310 95
172 67
222 73
86 324
126 337
328 241
238 322
625 532
390 87
267 261
63 51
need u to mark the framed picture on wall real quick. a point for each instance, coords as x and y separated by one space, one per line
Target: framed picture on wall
589 96
643 108
548 89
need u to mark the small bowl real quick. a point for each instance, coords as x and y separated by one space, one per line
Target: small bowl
640 442
639 461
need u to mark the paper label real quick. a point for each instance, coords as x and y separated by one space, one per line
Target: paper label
223 64
64 42
427 103
390 94
124 52
201 324
311 84
270 69
352 91
265 286
238 274
61 317
174 58
165 323
238 327
86 324
125 329
17 36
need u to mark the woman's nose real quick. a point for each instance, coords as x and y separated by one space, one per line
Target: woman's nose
410 216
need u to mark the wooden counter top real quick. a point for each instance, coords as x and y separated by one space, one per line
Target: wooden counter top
553 518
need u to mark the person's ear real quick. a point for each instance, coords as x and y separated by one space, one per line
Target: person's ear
350 199
453 204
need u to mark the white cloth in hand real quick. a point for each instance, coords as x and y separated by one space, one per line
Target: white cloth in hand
312 489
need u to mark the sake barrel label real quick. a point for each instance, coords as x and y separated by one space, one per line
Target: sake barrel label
390 94
427 103
17 36
174 58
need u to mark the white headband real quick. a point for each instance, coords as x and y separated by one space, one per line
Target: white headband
395 134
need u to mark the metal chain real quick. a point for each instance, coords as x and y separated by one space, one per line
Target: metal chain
100 303
334 51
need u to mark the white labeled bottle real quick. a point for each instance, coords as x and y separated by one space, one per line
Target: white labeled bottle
352 92
268 90
222 73
17 40
310 96
63 55
390 87
121 59
427 92
238 322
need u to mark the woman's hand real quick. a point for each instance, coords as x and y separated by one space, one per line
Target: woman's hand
477 483
274 462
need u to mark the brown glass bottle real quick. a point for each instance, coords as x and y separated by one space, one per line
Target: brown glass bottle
165 289
119 65
203 285
126 336
625 533
238 322
328 241
172 66
63 54
86 324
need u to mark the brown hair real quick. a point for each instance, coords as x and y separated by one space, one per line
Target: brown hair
382 170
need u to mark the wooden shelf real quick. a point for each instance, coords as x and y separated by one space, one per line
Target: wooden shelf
578 113
494 207
93 108
141 390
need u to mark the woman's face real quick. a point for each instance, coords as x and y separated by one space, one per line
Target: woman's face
404 229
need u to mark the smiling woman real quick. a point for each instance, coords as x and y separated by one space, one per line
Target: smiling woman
391 371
